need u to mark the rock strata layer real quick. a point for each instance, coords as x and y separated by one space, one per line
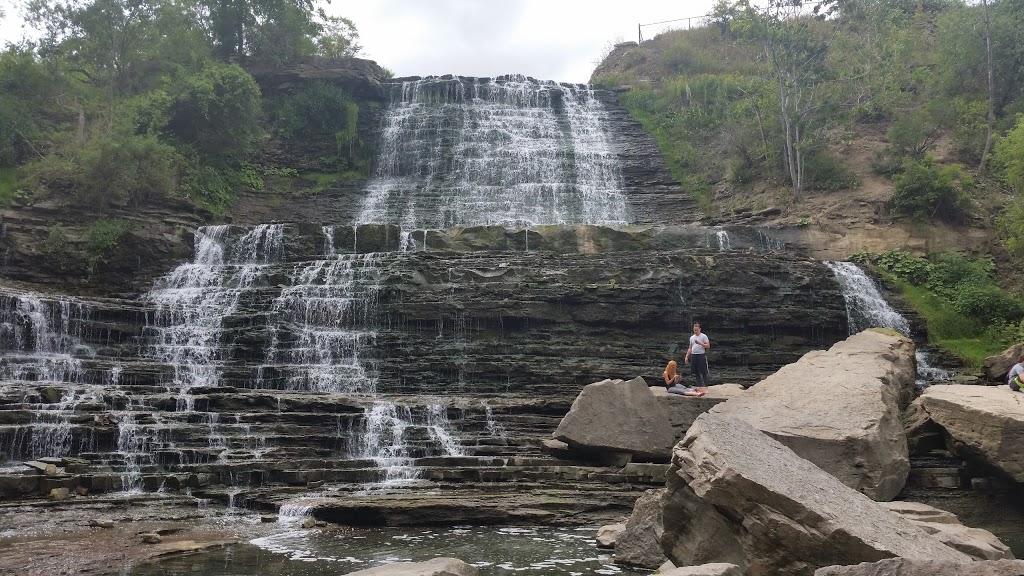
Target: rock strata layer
620 417
735 495
841 409
984 423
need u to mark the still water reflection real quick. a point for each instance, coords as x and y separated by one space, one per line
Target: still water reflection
496 551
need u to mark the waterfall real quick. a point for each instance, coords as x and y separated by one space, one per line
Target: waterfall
192 301
327 312
866 308
384 438
508 151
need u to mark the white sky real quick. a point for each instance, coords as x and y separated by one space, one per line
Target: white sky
547 39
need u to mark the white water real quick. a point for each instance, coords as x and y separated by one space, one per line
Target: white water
509 152
192 301
866 308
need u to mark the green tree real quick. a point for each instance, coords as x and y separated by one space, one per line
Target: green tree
794 42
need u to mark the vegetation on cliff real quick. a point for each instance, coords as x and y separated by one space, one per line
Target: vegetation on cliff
899 108
121 102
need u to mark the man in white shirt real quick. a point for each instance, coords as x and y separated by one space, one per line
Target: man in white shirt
697 352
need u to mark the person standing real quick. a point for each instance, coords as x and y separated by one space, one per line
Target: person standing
696 357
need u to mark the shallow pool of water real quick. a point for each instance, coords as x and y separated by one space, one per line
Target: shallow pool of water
496 551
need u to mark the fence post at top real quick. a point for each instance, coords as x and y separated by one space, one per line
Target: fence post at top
639 34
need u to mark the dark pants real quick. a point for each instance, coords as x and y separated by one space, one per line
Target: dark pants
699 368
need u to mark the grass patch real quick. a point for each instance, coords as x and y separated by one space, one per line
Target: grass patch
8 185
948 329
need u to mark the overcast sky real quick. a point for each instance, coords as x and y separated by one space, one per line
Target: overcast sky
547 39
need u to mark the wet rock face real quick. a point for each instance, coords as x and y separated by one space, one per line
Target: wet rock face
737 496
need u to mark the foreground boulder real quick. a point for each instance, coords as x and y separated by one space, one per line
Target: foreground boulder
638 544
434 567
616 417
907 567
985 423
975 542
705 570
608 534
996 367
736 496
841 409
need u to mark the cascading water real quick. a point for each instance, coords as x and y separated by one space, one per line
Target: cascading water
327 314
507 151
866 308
192 301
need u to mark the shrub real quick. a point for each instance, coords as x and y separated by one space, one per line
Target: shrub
1009 155
925 190
905 266
987 303
101 237
110 168
317 110
826 172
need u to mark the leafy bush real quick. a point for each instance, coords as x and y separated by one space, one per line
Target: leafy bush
1009 155
110 168
101 237
986 302
319 109
56 247
905 266
826 172
218 111
925 190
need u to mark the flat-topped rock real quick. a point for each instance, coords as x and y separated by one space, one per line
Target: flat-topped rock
986 423
737 496
683 410
841 409
619 417
996 367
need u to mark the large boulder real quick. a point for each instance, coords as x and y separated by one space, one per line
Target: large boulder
433 567
638 545
613 416
841 409
608 534
985 423
735 495
683 410
997 367
975 542
907 567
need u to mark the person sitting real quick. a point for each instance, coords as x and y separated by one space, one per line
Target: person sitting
1016 376
672 382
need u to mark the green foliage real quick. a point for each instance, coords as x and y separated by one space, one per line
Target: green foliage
8 185
110 169
316 110
218 111
926 190
966 311
101 238
56 247
824 171
1009 156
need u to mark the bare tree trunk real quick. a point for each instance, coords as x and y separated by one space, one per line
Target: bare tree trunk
991 89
